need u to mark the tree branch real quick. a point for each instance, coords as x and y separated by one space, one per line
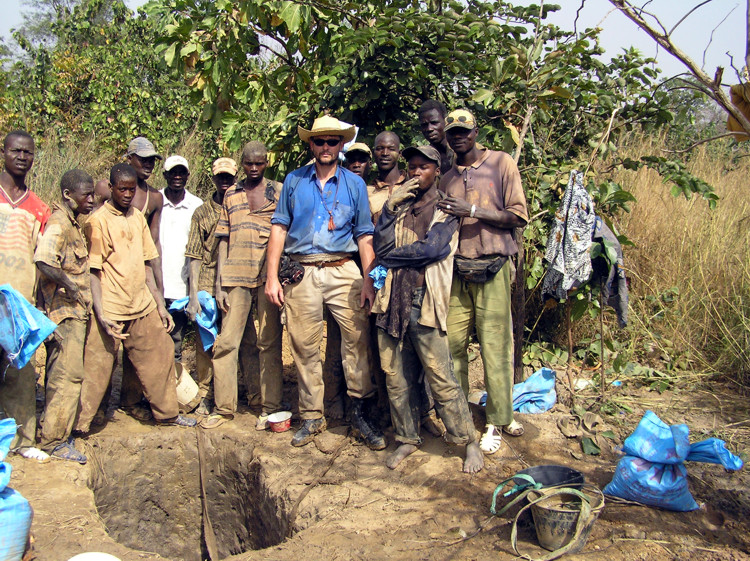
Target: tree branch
717 137
683 18
716 92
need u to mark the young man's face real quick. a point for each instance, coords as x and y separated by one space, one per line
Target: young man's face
358 162
223 181
123 192
432 125
255 166
325 149
19 155
386 152
177 178
461 140
144 167
82 198
425 170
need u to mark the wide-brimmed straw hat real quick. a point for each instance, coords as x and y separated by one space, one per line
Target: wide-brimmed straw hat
327 125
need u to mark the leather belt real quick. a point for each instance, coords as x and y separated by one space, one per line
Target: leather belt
321 264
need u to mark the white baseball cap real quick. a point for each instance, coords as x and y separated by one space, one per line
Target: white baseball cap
174 161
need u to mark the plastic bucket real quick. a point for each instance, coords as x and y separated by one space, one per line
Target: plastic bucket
281 421
556 517
187 390
553 476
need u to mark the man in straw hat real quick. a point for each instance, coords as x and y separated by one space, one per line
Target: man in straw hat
322 219
484 191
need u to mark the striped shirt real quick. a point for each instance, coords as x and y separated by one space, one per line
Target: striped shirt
21 222
63 246
203 244
248 234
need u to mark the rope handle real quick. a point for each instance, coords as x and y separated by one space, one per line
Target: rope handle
530 485
584 517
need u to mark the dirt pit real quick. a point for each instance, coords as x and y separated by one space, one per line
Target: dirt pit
195 496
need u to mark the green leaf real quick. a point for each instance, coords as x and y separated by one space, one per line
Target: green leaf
590 447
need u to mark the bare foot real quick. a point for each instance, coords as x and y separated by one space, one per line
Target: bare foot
401 452
335 409
474 458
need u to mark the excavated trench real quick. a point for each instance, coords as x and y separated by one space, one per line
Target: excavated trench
187 495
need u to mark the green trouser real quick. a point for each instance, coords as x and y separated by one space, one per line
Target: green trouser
18 400
64 379
486 307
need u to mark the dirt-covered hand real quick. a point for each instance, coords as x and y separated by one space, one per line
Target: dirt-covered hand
402 194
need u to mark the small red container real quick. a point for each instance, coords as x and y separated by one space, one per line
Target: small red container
281 421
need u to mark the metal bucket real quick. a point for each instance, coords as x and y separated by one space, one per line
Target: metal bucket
564 515
553 476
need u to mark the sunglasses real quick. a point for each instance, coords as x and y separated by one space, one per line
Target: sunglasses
461 119
331 142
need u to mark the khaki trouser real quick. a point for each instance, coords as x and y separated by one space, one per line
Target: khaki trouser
64 379
485 306
204 367
339 288
227 350
423 349
151 352
18 400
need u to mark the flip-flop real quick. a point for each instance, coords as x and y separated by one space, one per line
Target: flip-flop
32 453
491 440
179 421
514 428
214 420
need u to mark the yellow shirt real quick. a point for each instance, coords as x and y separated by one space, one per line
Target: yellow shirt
119 245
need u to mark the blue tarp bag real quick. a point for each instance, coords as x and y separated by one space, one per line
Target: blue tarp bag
22 327
15 511
206 318
653 473
534 395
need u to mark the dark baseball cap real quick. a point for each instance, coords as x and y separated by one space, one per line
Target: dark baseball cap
427 151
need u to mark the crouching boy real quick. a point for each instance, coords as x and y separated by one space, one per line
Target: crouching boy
63 263
128 308
416 242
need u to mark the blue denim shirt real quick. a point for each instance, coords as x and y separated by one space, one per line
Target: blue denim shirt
302 210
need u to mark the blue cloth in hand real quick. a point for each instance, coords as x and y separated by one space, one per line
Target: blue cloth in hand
378 275
206 318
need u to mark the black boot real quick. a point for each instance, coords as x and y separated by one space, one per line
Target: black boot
362 429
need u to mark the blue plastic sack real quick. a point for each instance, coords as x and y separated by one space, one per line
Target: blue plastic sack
653 473
22 327
7 432
15 523
206 318
536 394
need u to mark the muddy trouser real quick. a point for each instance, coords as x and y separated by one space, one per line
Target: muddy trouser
150 350
227 350
423 348
204 368
333 369
486 307
64 379
339 288
18 400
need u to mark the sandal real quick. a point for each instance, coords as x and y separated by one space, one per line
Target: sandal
31 453
178 421
491 440
215 420
514 428
67 451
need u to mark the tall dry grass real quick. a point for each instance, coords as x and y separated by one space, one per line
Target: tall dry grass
690 269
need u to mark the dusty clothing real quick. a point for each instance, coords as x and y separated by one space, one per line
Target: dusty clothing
119 244
64 379
63 246
486 308
304 209
247 233
338 288
203 244
174 228
378 194
492 183
18 400
21 222
403 360
227 348
149 349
